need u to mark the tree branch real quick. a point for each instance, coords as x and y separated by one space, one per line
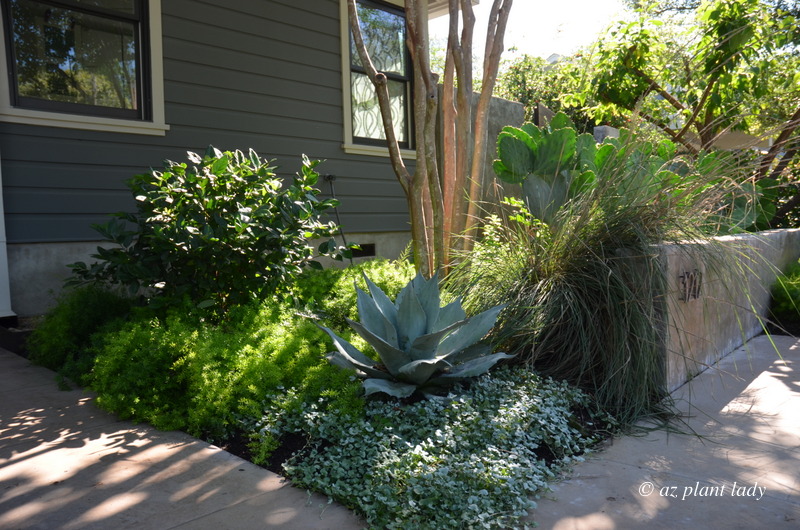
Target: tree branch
654 86
461 49
498 20
380 82
698 107
787 130
783 212
426 107
785 160
672 134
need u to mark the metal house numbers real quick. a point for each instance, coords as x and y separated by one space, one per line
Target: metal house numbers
690 285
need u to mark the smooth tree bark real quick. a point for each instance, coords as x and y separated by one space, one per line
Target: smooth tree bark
498 19
443 192
409 182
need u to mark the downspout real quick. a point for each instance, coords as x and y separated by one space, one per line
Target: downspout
5 290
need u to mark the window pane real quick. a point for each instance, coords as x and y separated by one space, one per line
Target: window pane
367 121
65 56
123 6
384 35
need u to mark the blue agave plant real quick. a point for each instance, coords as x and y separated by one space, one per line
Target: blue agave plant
422 346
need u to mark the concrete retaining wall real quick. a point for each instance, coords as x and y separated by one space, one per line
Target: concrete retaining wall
718 291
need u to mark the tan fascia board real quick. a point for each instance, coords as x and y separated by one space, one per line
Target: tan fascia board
437 8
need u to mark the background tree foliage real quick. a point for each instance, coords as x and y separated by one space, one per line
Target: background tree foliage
732 65
663 7
692 71
696 86
533 80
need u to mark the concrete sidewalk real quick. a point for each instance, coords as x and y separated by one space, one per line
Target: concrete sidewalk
742 471
64 464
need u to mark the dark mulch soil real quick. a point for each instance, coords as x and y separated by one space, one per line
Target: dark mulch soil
238 444
13 339
784 326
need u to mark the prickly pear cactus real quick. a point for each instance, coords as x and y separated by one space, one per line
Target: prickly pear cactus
552 163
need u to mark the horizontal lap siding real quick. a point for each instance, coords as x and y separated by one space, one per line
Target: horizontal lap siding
238 74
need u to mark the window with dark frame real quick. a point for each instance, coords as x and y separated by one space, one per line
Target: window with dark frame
79 56
383 28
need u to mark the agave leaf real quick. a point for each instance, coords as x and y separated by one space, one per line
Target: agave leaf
393 388
428 295
393 358
472 331
348 356
337 359
449 315
469 353
418 372
472 368
411 319
427 346
373 318
383 302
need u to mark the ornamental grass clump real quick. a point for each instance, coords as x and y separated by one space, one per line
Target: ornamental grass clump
422 346
576 261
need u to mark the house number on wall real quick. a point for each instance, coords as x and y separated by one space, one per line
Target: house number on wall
690 285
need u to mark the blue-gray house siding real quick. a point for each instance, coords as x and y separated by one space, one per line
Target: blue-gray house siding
264 74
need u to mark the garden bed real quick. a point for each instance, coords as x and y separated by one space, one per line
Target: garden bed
258 387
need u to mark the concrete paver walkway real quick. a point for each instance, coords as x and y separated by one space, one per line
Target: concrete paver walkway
64 464
743 471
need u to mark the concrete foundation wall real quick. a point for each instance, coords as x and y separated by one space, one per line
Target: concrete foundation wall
37 271
718 292
389 245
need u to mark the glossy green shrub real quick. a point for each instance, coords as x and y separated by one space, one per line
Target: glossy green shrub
220 230
62 339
